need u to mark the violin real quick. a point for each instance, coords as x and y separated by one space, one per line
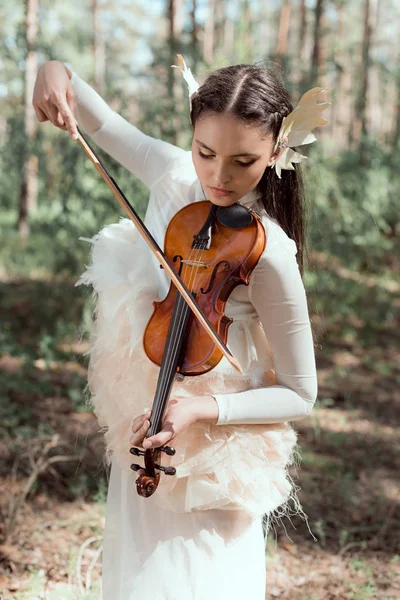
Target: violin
210 250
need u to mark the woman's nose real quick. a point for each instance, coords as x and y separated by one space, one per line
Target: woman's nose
222 174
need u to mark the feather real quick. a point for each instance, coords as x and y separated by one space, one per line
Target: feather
296 129
187 74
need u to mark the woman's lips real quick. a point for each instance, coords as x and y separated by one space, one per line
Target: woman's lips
220 191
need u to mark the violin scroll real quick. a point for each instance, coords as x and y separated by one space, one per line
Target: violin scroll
148 480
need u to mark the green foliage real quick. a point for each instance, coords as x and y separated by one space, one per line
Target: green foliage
353 212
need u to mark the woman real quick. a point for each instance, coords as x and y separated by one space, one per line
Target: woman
200 536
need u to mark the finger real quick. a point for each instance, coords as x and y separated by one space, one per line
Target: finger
53 112
138 422
68 117
40 115
138 437
71 100
141 432
60 120
156 441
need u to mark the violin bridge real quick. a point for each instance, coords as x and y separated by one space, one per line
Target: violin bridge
195 263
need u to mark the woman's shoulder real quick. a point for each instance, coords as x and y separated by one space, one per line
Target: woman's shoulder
279 245
277 268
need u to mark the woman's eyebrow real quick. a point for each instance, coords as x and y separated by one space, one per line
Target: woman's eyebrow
232 155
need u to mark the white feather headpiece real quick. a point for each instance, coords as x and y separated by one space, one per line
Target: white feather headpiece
296 129
187 74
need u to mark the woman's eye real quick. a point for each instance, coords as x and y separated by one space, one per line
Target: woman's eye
238 162
205 155
247 164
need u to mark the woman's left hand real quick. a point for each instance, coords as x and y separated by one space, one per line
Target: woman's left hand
180 414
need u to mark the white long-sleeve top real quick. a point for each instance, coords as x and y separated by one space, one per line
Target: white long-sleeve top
275 299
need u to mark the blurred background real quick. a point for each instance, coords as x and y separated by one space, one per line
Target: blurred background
53 480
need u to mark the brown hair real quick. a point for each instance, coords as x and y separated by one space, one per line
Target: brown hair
256 95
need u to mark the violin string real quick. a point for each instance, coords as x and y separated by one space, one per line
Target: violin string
177 324
178 319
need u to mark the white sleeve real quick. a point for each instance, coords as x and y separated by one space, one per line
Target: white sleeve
146 157
278 295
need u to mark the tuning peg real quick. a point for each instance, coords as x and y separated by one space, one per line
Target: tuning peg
167 470
168 450
136 451
136 467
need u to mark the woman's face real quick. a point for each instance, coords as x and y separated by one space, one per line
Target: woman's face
229 156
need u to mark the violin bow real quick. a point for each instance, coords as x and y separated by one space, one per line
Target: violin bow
155 248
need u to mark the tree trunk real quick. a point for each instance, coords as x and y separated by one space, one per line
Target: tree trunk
362 100
382 101
340 109
219 20
28 189
365 64
266 32
208 44
396 132
302 31
229 37
98 48
317 46
175 25
171 45
248 33
283 31
194 33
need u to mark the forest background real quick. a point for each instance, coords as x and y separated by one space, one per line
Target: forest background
52 477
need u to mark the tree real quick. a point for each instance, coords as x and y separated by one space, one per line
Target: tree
28 189
316 58
208 44
302 30
362 99
194 32
284 22
98 48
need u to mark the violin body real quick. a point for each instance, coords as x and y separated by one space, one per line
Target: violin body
210 274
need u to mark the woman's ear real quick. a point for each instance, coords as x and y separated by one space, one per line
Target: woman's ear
275 155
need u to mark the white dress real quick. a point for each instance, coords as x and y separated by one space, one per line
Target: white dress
200 537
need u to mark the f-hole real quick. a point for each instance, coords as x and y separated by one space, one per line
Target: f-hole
226 267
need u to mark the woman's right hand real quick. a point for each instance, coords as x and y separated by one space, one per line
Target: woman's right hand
53 97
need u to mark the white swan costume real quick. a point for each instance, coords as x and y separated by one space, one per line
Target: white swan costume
200 536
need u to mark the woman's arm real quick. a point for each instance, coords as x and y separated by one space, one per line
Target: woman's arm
278 295
146 157
59 99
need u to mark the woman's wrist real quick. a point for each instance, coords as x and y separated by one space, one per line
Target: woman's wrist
206 409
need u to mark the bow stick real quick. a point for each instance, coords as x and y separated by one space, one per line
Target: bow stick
155 248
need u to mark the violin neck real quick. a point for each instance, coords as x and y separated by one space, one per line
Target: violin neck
176 336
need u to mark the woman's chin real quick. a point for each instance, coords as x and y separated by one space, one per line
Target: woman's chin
222 200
